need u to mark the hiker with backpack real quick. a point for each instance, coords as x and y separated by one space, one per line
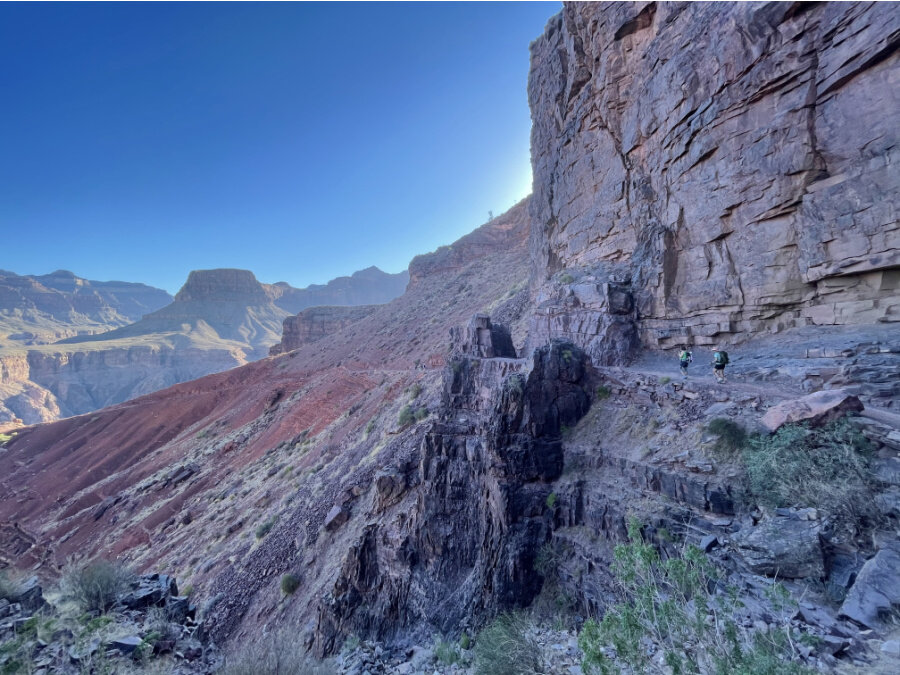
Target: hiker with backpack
685 357
720 360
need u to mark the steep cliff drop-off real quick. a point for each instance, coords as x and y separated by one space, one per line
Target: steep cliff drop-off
733 166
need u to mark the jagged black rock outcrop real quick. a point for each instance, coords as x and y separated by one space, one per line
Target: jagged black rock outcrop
461 543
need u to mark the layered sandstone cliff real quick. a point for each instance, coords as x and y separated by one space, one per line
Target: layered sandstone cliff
732 166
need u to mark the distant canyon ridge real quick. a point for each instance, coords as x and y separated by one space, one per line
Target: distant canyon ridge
70 345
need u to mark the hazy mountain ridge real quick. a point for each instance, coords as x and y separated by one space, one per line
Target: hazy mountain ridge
41 309
219 319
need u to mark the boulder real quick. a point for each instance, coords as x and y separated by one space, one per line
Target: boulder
336 517
126 645
817 409
30 595
875 596
144 596
782 547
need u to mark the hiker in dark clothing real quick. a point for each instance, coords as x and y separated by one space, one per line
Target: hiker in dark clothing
720 360
685 357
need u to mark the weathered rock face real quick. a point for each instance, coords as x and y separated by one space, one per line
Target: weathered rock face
782 547
462 541
316 323
482 338
732 161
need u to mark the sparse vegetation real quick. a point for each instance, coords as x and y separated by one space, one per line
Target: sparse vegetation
408 415
665 379
5 438
446 652
506 648
566 278
289 584
370 427
668 615
465 642
602 392
732 437
414 391
827 467
567 355
266 527
96 585
551 500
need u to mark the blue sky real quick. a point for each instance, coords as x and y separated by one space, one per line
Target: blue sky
139 141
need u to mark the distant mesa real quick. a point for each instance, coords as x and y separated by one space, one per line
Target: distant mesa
222 285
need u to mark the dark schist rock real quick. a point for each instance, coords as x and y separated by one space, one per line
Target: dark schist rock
483 339
458 536
782 547
875 596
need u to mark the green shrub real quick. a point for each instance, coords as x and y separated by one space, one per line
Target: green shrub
566 278
406 416
465 642
551 500
602 392
5 438
446 653
289 584
506 648
370 427
266 527
96 585
732 437
414 391
828 468
665 379
668 610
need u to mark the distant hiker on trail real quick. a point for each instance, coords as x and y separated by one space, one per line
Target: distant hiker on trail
720 360
685 357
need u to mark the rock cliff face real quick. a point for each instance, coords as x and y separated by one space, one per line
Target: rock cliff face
316 323
732 165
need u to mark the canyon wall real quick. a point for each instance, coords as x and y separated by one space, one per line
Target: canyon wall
732 166
316 323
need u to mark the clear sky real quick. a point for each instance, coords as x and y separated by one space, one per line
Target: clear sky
139 141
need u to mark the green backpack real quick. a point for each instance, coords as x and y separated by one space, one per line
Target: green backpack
721 358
